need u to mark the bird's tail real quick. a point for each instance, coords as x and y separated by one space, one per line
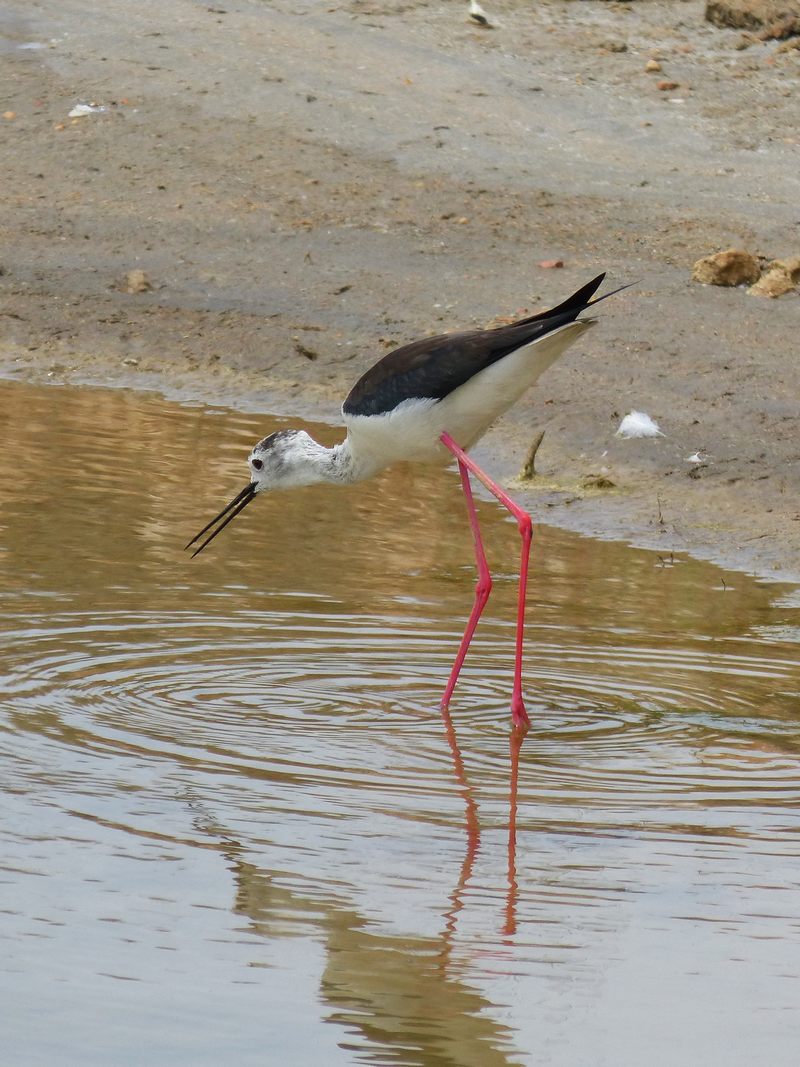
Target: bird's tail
575 304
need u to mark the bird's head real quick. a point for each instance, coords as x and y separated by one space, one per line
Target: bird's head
280 461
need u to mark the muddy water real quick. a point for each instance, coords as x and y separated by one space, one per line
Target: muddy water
236 830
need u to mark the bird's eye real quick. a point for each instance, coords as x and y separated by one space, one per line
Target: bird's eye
257 464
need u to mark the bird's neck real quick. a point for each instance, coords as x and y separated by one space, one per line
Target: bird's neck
336 465
345 463
307 462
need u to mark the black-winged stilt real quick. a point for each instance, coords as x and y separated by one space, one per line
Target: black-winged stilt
424 402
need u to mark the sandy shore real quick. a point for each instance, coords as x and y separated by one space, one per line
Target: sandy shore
307 185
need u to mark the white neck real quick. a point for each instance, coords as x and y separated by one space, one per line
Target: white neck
311 463
335 464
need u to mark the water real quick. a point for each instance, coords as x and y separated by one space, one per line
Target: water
235 828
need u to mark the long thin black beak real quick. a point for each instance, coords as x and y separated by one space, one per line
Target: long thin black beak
239 503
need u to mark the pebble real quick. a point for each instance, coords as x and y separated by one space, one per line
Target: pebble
613 46
731 267
136 281
780 278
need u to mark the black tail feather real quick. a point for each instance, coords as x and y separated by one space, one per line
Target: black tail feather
575 303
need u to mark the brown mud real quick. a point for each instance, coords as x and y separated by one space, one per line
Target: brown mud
306 185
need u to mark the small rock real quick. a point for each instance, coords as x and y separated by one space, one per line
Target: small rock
303 350
780 277
667 87
550 264
613 46
136 281
781 16
652 66
733 267
782 28
477 15
598 481
9 115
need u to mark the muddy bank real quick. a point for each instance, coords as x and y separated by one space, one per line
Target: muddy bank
307 185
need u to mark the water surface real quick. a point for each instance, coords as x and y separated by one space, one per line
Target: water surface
236 829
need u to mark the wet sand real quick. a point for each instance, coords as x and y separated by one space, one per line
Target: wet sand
307 185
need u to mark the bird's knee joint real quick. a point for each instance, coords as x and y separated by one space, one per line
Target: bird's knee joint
525 525
483 588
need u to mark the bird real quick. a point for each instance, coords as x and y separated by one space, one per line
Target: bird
429 401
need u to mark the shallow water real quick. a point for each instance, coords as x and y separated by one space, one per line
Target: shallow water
236 829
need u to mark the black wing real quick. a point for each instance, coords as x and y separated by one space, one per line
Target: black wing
435 366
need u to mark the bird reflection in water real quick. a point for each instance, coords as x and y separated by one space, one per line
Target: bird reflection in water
473 830
402 997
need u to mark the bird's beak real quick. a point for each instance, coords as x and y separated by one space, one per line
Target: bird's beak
229 512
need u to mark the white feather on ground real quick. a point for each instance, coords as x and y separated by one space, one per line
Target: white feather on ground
86 109
638 424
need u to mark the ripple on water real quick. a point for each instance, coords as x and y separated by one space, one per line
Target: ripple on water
214 756
332 701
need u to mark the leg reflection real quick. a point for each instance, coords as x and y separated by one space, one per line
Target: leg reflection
473 832
515 746
473 829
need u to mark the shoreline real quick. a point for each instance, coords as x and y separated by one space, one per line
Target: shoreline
629 515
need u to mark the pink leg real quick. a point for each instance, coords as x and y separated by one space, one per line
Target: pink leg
519 715
482 589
